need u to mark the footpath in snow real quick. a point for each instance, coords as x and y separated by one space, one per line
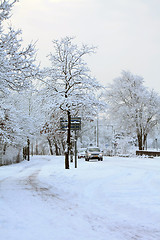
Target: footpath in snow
117 199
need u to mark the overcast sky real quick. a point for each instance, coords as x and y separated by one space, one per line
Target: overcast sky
126 32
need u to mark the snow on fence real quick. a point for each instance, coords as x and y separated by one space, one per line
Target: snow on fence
148 153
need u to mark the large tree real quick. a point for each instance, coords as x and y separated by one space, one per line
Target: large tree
134 108
69 84
17 70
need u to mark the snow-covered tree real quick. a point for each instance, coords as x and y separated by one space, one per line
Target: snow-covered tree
134 108
54 135
69 85
17 70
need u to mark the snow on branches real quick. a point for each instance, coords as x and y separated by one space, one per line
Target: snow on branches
68 81
134 108
17 70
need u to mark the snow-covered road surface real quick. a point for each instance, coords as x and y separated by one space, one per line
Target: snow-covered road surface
117 199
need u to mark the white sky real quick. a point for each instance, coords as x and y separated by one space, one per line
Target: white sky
126 32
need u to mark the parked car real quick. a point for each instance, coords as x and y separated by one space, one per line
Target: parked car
81 153
93 153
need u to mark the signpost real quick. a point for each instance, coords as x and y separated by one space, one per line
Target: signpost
75 125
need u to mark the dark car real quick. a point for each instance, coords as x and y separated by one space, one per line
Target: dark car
93 153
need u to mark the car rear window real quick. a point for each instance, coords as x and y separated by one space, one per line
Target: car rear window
94 150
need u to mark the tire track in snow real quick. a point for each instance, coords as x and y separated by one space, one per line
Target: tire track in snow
43 191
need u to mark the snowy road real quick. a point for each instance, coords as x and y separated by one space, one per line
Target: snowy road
117 199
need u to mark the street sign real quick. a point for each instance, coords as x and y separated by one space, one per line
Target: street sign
63 124
75 123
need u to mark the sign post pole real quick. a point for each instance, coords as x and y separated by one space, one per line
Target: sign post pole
75 149
75 125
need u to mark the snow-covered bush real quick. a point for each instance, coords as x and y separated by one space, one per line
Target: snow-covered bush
12 155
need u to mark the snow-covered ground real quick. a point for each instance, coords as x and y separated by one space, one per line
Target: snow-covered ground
117 199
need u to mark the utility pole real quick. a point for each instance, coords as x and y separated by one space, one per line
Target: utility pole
97 132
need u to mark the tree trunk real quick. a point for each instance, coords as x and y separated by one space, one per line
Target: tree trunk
28 149
68 141
63 146
50 146
56 148
140 142
24 153
144 141
4 148
37 147
32 149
